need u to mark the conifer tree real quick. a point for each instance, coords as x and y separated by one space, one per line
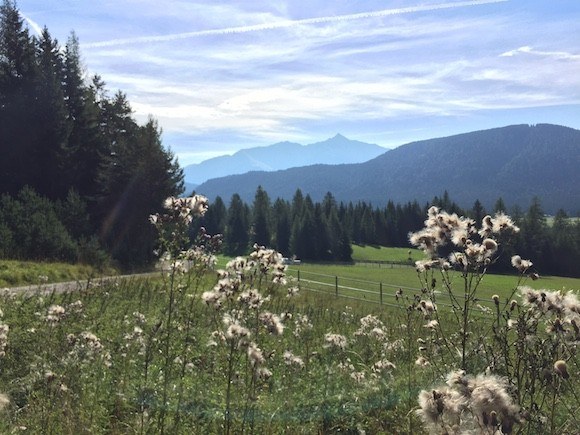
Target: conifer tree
261 218
52 126
282 224
236 240
18 76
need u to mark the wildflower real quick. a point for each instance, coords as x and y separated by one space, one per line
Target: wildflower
431 324
139 318
301 324
55 314
335 341
291 359
212 298
521 265
255 354
427 307
252 298
358 376
383 365
457 378
263 373
237 333
460 237
188 207
489 394
272 323
502 223
486 227
422 362
424 265
75 307
458 259
561 369
292 291
4 401
490 246
495 299
435 403
4 328
399 294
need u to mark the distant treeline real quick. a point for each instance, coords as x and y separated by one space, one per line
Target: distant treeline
324 231
78 176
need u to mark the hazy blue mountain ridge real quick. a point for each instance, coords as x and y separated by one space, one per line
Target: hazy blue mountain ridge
283 155
515 162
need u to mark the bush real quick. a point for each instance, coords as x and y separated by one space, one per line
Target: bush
36 231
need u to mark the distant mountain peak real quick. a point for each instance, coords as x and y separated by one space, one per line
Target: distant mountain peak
283 155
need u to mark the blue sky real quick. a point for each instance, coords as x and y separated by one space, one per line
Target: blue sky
220 75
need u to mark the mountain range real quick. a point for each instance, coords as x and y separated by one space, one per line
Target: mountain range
516 162
282 155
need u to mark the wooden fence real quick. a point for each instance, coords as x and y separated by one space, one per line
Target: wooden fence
369 291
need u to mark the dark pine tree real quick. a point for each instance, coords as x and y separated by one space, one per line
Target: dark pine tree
236 240
261 218
18 79
282 226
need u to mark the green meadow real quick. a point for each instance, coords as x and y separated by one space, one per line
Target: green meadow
191 352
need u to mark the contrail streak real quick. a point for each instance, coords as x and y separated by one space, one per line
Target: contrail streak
288 23
32 24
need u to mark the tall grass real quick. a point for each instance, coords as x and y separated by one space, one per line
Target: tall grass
242 349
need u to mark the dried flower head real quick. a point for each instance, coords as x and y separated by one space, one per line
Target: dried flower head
561 369
4 401
335 341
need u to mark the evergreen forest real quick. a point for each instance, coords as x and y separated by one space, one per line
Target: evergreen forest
78 175
324 231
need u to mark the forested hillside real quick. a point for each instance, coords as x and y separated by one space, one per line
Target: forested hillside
78 175
517 162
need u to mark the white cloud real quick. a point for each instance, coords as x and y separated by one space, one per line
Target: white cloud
258 71
281 24
557 55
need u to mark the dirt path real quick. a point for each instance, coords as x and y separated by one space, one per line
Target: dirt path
69 286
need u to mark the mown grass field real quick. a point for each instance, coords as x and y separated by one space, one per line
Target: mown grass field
376 266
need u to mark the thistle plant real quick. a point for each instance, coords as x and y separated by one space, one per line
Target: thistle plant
178 260
523 353
455 247
245 325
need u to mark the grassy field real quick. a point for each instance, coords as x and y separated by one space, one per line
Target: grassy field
15 273
369 276
382 253
160 355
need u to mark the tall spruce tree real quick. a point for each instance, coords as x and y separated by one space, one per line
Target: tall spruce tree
261 218
236 240
52 126
283 226
18 78
147 174
87 147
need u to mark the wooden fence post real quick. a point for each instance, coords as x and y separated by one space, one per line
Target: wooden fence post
381 292
336 285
